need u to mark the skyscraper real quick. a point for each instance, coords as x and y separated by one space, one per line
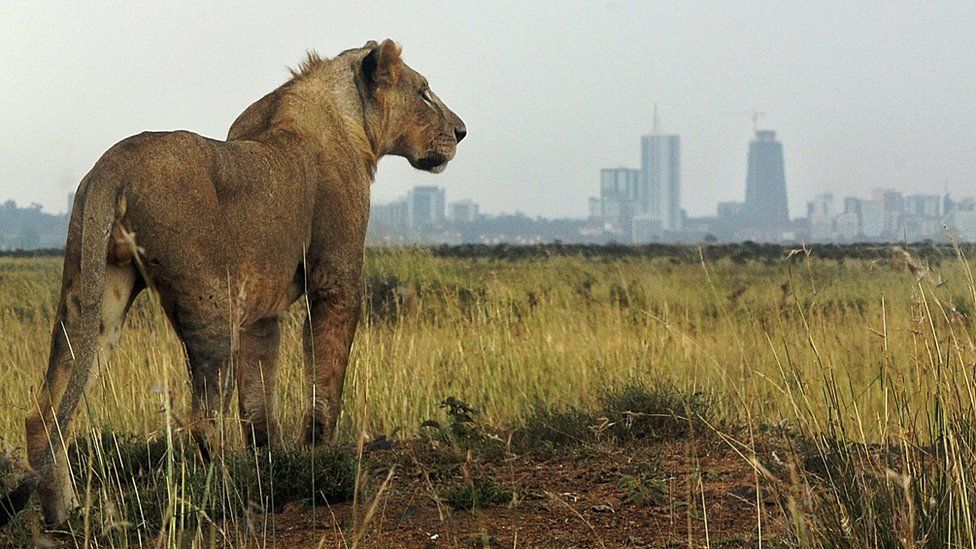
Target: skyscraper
425 206
765 206
892 209
660 192
619 196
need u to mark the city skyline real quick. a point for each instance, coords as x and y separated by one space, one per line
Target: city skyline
867 95
67 198
645 203
425 216
795 212
656 190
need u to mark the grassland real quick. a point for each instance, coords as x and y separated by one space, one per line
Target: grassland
864 362
506 334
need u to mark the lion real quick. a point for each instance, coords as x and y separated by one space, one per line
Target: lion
228 234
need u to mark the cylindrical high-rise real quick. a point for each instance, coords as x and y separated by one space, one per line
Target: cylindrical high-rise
766 206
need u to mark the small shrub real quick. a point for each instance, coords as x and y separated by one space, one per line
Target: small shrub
547 431
15 490
462 432
481 539
633 412
657 413
323 475
645 490
479 491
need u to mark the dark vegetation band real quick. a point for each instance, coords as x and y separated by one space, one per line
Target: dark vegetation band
682 253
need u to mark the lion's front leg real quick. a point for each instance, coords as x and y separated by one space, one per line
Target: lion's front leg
334 315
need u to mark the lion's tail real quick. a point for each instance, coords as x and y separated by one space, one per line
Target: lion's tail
98 214
101 201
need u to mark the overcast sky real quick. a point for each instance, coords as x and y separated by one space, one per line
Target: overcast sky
863 94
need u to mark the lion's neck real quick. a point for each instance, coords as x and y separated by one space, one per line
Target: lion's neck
322 115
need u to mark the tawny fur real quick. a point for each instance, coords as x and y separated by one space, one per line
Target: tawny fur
229 234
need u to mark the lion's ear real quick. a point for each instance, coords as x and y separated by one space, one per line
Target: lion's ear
382 64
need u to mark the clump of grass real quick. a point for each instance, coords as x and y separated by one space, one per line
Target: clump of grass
912 489
477 491
634 411
548 431
135 488
124 457
655 413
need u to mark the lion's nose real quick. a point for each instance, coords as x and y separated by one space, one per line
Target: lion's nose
460 132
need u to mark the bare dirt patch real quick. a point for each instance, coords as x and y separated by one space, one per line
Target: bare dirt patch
668 494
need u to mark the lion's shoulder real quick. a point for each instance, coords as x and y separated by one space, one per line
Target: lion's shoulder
256 119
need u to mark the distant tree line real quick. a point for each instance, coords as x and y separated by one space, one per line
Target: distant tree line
931 252
30 228
738 252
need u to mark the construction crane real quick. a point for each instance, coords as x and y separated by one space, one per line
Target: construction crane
755 115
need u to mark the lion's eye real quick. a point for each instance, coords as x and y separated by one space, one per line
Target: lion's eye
425 93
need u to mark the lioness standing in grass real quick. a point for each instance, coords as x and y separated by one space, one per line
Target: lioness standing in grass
229 234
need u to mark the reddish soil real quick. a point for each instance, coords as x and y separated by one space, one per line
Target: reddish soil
588 501
675 494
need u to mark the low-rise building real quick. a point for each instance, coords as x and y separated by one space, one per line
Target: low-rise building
462 211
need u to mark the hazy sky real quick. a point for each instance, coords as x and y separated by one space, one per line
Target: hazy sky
863 94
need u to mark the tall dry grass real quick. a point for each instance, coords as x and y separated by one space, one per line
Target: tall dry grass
502 334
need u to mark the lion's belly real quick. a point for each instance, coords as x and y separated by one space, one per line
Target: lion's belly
269 255
266 296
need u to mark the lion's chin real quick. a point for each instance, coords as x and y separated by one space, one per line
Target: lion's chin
431 164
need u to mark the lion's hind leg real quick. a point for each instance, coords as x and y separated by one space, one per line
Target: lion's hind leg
256 382
208 345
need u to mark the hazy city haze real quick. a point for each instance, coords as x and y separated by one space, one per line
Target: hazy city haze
872 94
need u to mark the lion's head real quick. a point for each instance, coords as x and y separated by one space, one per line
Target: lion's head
414 122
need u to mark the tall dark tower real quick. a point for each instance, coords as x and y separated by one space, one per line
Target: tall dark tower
765 206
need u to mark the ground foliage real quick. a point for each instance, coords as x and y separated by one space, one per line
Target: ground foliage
825 394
